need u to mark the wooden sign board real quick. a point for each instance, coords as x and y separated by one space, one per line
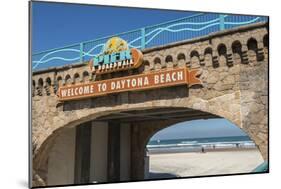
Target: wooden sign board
152 80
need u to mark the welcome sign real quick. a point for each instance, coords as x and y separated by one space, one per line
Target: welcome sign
173 77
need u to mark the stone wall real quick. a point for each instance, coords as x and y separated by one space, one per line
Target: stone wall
61 158
233 66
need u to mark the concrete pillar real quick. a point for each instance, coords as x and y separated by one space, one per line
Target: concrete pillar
125 152
113 166
98 172
61 159
137 152
141 133
83 153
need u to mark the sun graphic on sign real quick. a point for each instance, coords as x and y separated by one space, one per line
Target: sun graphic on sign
114 45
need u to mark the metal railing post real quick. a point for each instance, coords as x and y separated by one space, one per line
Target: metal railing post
222 22
142 38
81 52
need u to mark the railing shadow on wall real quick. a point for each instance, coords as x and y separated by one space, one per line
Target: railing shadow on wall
151 36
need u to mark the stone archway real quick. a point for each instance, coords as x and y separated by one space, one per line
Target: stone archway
237 90
143 135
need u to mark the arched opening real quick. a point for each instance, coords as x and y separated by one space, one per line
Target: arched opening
181 56
266 46
85 76
146 65
68 79
200 147
76 78
237 51
157 63
194 59
33 87
222 54
208 58
181 60
48 86
168 59
157 60
252 49
265 41
40 87
59 81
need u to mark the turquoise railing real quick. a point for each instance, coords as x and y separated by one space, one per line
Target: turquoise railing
261 168
176 30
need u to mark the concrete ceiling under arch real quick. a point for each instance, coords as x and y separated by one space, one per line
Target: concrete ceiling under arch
176 114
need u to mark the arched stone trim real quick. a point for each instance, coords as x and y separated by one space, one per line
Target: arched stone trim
169 58
222 54
260 48
194 59
237 51
181 59
48 86
76 78
252 45
157 63
169 61
68 80
265 45
157 60
181 56
146 64
40 87
57 83
208 56
60 81
258 36
244 49
85 76
33 88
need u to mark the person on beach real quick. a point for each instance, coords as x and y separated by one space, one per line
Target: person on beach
202 149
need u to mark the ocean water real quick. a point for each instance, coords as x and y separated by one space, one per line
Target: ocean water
197 144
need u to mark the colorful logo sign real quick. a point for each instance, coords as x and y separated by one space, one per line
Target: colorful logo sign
116 56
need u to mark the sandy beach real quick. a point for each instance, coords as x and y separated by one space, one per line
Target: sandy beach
198 164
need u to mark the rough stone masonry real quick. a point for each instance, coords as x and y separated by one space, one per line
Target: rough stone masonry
233 69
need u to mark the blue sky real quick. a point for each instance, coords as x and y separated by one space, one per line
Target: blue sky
56 25
199 129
